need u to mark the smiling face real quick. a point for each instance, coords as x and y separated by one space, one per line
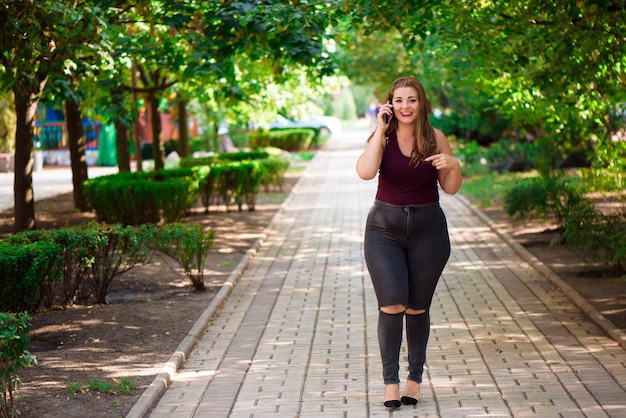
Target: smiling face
405 104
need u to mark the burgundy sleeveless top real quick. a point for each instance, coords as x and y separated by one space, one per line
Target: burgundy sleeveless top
401 183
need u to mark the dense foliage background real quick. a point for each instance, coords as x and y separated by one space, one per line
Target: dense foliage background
542 72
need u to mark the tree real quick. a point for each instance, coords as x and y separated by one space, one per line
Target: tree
32 41
207 50
78 145
556 66
374 59
243 50
7 122
164 43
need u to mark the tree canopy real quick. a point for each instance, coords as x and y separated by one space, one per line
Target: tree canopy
554 65
149 47
551 68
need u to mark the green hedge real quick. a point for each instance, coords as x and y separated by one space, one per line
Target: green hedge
140 198
221 179
602 238
288 139
582 227
242 155
29 270
236 178
189 245
42 266
233 183
274 173
14 352
543 197
79 264
82 262
222 157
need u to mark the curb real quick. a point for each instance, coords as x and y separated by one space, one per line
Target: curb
157 388
600 320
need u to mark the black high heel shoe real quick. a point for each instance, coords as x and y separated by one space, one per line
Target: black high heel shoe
392 403
413 388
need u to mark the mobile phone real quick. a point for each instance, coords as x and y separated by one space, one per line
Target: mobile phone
385 116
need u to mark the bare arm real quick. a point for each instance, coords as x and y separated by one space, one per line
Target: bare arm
369 162
448 167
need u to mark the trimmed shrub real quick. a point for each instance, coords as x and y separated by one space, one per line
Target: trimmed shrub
218 158
138 198
250 174
76 252
117 250
14 340
78 265
88 257
288 139
25 285
260 139
274 172
542 198
233 182
29 270
293 139
601 237
243 155
189 245
235 178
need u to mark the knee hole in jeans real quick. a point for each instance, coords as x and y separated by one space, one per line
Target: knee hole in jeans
393 309
410 311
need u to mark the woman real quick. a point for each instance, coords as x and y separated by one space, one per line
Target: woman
406 236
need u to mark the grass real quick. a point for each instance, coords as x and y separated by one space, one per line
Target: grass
487 189
305 155
73 388
124 385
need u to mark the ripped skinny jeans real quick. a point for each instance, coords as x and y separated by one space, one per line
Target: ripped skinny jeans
406 250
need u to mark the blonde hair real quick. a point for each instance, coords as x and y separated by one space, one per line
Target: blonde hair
424 143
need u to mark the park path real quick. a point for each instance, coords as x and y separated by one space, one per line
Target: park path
295 334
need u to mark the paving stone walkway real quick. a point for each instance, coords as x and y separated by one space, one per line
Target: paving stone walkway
296 335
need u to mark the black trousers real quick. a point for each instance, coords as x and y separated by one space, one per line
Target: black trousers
406 249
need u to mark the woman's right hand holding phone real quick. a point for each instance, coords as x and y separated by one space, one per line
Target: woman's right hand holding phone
386 112
369 162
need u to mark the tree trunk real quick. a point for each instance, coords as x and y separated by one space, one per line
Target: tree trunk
121 133
24 198
137 138
183 132
136 128
158 150
78 144
121 144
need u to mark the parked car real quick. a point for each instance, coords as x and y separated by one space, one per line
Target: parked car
326 124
